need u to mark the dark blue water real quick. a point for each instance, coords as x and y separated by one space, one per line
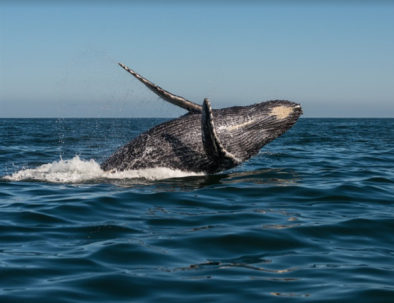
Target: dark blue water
310 219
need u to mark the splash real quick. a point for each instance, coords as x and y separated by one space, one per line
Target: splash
77 170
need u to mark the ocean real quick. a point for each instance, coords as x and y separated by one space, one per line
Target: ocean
309 219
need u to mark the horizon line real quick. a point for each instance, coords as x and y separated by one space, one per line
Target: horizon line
143 117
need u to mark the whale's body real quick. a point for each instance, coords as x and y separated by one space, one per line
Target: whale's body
205 140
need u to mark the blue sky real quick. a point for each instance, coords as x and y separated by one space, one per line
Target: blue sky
59 60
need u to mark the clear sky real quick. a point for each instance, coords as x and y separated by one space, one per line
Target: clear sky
59 60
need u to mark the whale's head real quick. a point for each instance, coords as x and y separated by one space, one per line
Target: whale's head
245 129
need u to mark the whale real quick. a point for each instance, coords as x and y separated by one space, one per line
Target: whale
204 139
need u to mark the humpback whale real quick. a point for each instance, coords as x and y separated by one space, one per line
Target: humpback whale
204 139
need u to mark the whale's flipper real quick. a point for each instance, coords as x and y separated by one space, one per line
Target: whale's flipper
174 99
212 145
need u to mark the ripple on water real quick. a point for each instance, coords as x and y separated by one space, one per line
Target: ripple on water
307 219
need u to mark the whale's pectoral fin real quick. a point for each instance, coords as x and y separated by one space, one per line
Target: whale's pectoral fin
212 145
174 99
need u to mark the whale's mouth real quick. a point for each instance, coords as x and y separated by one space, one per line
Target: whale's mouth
76 171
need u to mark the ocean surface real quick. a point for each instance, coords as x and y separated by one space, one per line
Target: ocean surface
309 219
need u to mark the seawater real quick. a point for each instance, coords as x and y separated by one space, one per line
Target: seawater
309 219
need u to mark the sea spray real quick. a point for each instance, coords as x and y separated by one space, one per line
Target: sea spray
77 170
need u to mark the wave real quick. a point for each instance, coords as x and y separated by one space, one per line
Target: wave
76 170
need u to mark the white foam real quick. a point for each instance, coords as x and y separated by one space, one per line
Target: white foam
76 170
